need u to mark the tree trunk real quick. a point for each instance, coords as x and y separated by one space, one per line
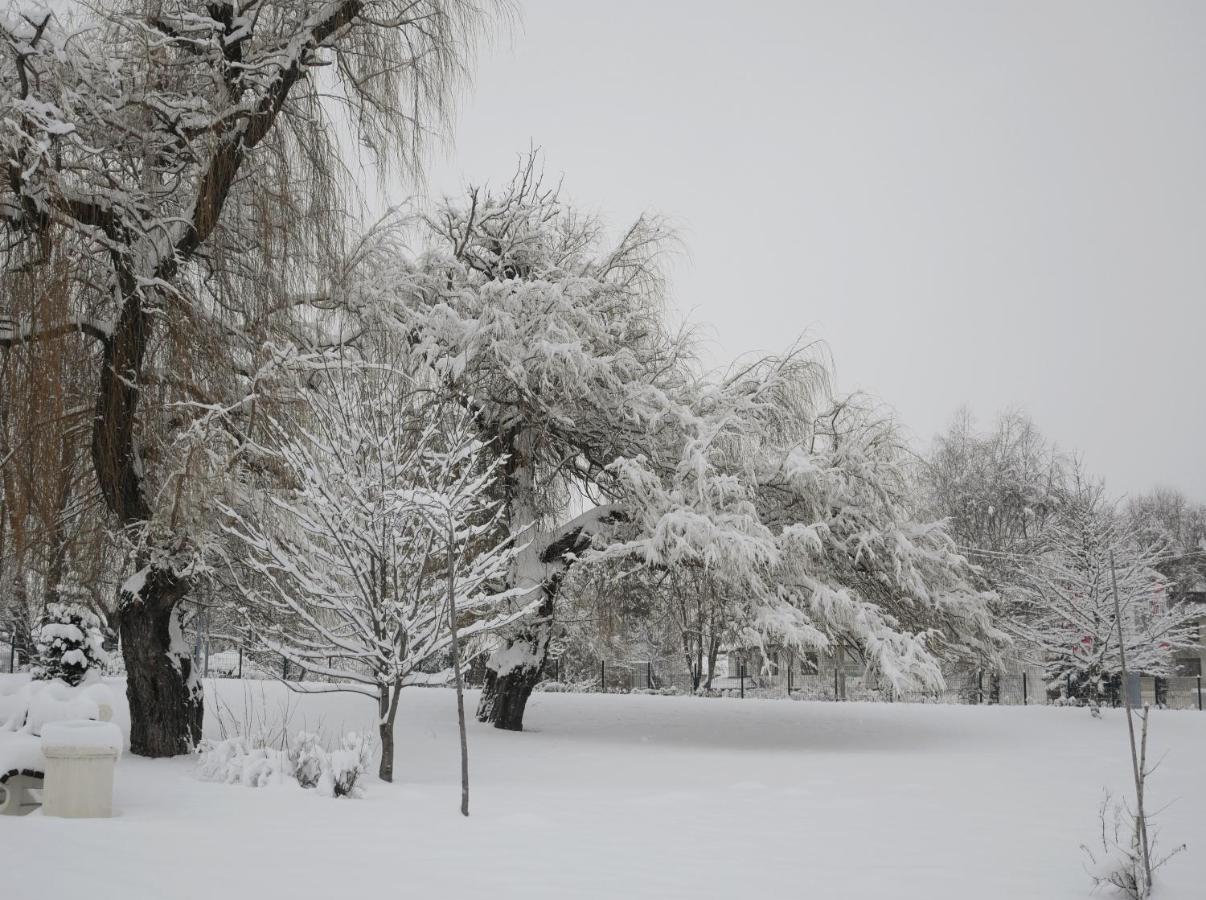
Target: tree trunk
515 670
164 693
166 702
505 696
385 729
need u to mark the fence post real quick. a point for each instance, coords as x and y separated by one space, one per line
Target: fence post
835 677
603 676
649 674
789 668
1023 688
284 669
1199 693
742 670
12 658
240 662
1068 678
980 687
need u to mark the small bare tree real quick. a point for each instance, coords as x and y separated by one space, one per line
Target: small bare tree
1131 865
453 499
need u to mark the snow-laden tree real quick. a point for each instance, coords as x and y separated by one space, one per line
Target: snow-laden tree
70 639
557 344
1073 619
180 159
375 541
805 520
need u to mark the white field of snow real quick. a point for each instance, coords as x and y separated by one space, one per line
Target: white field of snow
639 797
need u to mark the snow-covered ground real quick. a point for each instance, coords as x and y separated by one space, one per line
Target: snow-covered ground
639 797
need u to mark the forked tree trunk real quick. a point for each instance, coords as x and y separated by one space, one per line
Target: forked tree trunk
505 696
514 671
164 694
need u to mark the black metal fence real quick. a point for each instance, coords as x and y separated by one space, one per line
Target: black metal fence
1025 687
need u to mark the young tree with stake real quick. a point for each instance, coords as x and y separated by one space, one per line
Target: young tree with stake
454 498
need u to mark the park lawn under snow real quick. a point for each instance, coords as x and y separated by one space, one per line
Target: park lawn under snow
639 797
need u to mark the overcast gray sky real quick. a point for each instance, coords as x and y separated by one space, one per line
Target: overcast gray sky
993 204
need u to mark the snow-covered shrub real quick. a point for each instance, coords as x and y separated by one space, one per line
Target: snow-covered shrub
1119 860
661 691
232 761
569 687
307 759
334 773
70 643
343 768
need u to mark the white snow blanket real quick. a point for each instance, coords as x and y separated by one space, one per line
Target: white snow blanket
641 797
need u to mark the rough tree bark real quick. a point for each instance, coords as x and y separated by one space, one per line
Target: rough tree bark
505 696
160 682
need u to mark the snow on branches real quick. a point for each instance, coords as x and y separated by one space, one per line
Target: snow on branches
70 642
807 523
1070 619
382 518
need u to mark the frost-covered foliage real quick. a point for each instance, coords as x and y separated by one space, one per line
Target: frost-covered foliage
804 518
335 772
342 565
1072 623
70 642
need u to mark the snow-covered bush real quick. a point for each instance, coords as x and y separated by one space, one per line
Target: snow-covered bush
306 758
232 761
70 643
307 763
342 769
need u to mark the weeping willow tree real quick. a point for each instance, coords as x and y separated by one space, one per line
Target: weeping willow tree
183 157
49 514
